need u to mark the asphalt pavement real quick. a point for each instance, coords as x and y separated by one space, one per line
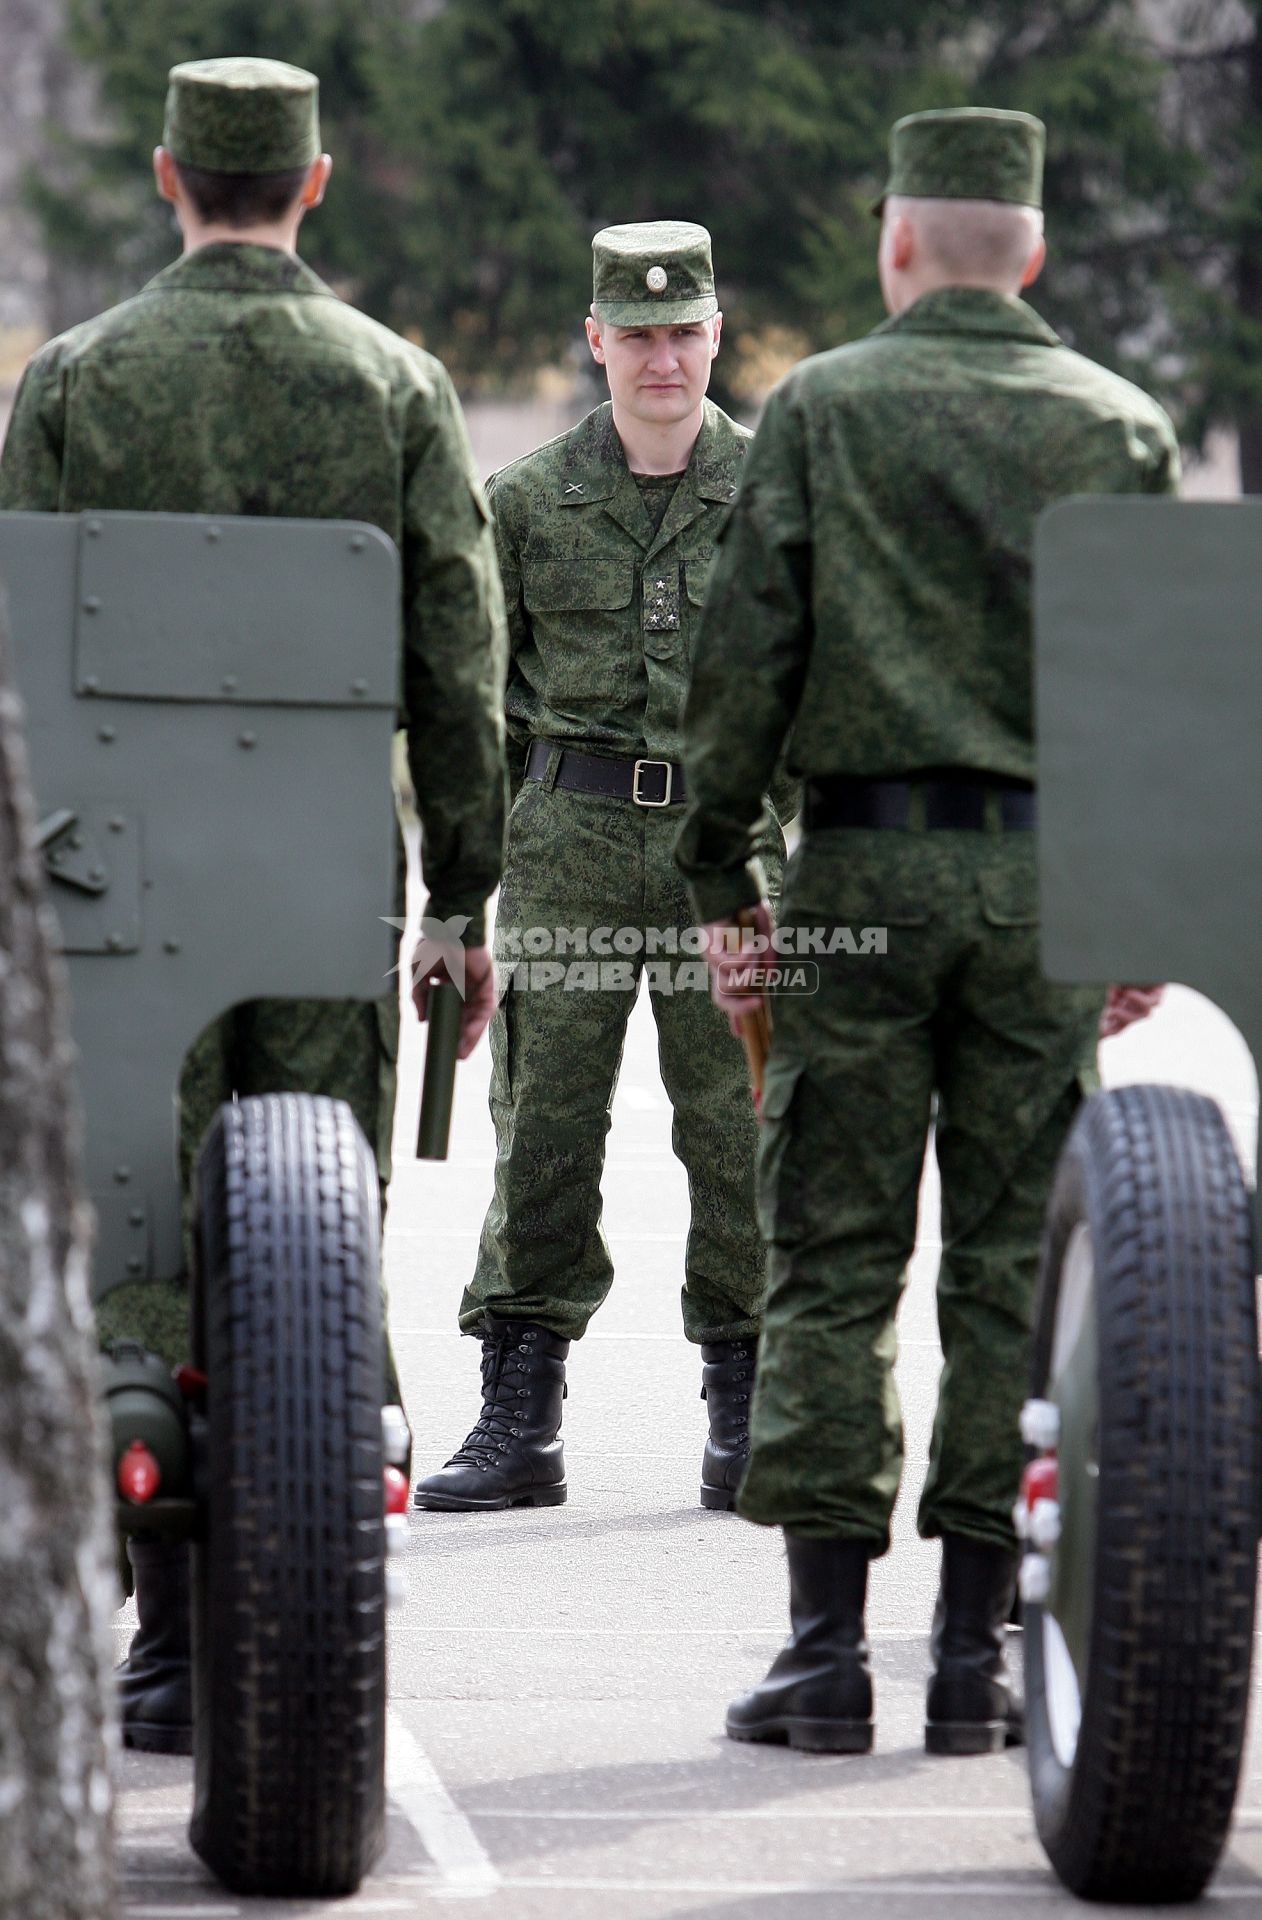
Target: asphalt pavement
558 1678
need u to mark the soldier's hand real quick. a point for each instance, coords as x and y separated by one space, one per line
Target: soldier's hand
479 993
733 946
1125 1005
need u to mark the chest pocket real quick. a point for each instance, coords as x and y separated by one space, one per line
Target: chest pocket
697 569
583 627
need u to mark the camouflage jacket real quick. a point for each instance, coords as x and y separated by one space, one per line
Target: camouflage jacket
237 382
870 600
603 612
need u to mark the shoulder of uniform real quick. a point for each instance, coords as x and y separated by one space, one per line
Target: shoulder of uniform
1114 390
71 345
726 429
544 465
402 360
831 372
850 364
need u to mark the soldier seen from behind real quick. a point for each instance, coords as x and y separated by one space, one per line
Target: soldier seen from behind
236 382
605 539
871 604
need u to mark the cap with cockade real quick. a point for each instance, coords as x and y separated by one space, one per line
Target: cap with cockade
242 116
653 273
967 153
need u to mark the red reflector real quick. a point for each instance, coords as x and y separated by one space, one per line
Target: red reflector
191 1381
396 1490
1040 1480
139 1475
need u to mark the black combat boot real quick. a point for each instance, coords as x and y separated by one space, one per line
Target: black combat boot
727 1375
818 1693
970 1708
155 1682
513 1457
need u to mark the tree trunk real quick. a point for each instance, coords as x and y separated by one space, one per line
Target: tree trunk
56 1583
1249 273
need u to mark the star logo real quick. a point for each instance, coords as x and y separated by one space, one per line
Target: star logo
439 943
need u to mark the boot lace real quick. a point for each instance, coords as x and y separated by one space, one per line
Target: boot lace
729 1401
494 1430
741 1360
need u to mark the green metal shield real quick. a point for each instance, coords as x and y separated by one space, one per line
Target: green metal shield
210 705
1149 717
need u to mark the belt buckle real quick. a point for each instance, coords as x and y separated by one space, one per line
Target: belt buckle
638 769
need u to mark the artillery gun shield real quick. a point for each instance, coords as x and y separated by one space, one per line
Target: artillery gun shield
1141 1508
212 702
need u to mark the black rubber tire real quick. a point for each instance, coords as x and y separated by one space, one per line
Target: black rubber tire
289 1582
1143 1811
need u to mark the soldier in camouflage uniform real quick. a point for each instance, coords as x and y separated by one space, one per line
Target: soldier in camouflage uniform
871 602
236 382
605 540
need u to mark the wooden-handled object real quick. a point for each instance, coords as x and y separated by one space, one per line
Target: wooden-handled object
755 1032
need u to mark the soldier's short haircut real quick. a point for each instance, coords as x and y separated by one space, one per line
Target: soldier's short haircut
241 199
974 240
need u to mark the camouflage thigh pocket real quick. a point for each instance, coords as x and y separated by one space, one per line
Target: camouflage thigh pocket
779 1186
499 1037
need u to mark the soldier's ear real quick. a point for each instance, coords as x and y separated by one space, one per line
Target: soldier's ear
902 242
594 340
165 177
316 181
716 333
1034 265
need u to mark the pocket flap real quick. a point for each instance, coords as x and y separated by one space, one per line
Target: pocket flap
577 586
1010 899
778 1090
697 573
877 906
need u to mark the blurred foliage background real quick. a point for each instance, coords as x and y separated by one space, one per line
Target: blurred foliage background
479 143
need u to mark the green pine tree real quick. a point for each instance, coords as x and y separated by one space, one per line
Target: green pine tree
479 144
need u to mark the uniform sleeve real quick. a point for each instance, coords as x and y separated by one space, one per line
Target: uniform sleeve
1164 470
749 667
785 792
507 552
30 466
453 663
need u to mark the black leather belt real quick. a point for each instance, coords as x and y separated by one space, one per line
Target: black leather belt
649 783
948 804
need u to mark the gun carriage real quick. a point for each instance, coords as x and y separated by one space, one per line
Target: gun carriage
210 707
1140 1503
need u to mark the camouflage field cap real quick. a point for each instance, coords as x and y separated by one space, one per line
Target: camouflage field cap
967 153
653 273
242 116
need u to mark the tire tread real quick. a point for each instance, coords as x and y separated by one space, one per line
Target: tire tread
1144 1813
290 1657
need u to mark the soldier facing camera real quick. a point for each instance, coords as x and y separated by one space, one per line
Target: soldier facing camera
605 538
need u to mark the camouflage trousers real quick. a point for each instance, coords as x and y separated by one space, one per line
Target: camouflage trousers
578 860
957 1006
343 1048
